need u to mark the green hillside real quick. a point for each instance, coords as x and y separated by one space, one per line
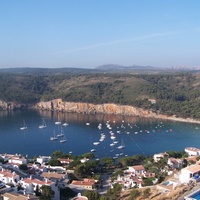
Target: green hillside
174 93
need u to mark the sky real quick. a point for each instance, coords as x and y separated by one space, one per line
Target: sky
89 33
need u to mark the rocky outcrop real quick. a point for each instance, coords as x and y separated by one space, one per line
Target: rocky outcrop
109 108
11 105
88 108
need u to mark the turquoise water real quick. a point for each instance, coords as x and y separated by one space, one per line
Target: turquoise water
139 135
196 196
165 183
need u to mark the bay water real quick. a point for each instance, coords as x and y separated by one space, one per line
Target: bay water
139 135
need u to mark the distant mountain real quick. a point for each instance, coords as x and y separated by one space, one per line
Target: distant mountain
107 68
46 71
120 67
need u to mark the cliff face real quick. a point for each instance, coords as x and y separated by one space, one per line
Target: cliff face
11 105
59 105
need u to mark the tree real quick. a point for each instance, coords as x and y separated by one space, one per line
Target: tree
91 195
54 162
37 191
103 198
108 162
74 164
47 193
147 181
146 192
79 170
185 163
134 194
118 172
58 154
114 193
67 192
23 167
88 155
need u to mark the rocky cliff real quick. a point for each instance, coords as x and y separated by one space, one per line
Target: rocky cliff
109 108
11 105
59 105
88 108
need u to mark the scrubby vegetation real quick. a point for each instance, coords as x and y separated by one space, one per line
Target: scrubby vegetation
175 94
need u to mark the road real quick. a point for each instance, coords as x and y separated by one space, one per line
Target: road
106 180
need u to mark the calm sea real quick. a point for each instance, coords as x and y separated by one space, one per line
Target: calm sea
139 135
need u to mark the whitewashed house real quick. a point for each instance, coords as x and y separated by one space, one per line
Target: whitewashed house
30 185
159 156
83 160
136 169
43 159
192 151
189 173
9 177
17 159
175 163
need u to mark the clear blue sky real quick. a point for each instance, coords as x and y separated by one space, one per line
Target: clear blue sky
89 33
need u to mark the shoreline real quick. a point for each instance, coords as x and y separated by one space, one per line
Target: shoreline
57 105
108 108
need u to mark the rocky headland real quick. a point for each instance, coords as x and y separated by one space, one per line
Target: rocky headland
88 108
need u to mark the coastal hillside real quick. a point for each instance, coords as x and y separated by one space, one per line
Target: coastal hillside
172 94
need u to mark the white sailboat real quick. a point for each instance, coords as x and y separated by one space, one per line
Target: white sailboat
65 124
43 124
24 127
122 146
63 140
54 137
58 122
61 134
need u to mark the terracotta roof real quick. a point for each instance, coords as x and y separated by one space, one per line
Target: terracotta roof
138 167
53 175
37 181
67 160
193 168
192 149
15 196
84 182
7 173
192 158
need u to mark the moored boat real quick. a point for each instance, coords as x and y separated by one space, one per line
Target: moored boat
24 127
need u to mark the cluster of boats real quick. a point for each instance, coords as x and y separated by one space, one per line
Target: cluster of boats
103 137
60 135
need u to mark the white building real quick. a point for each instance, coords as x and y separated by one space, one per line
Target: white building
30 184
175 162
189 173
43 159
83 160
137 169
9 177
79 197
160 156
17 159
192 151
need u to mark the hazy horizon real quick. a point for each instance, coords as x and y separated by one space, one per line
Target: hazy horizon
88 34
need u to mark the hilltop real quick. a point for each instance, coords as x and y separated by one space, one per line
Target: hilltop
164 93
